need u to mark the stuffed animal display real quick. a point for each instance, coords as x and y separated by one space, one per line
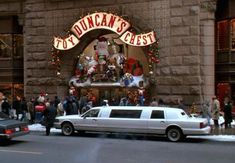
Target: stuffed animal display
108 64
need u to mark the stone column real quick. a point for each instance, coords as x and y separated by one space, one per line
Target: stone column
207 51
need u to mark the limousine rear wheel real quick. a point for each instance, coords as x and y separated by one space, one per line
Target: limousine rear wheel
174 134
67 129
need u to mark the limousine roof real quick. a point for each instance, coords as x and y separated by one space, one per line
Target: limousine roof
137 108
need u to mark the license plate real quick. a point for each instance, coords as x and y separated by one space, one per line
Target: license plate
17 129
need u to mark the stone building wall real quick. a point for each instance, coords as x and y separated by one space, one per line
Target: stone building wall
186 37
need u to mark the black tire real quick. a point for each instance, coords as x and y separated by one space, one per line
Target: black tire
67 129
5 141
174 134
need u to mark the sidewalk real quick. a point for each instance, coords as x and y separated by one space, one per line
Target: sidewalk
223 131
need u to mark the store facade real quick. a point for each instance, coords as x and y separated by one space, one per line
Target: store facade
225 50
184 51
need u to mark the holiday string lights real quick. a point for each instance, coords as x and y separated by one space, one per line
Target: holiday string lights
55 60
153 55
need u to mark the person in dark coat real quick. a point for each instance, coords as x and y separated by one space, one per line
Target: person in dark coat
17 106
49 117
31 109
6 107
24 109
227 114
56 101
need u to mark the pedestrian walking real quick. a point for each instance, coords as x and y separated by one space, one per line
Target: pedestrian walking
49 115
24 108
154 102
113 102
161 102
6 107
206 113
181 105
56 101
87 107
123 102
83 101
31 109
60 109
215 109
17 106
227 114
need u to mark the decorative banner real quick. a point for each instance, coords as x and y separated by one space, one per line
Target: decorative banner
138 40
65 43
102 20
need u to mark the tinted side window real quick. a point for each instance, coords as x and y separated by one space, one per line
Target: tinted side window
125 113
92 113
157 114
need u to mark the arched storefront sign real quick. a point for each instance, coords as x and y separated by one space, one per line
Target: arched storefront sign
102 20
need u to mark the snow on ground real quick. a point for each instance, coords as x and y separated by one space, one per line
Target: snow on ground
39 127
230 138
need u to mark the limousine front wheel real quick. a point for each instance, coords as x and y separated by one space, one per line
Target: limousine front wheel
67 129
174 134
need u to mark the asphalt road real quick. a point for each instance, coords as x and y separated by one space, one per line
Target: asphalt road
103 148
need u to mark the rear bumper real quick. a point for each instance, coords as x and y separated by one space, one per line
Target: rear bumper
202 131
9 136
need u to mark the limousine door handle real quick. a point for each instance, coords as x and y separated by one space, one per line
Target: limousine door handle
94 119
162 121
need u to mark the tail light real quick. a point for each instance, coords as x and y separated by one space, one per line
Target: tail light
25 128
9 131
202 125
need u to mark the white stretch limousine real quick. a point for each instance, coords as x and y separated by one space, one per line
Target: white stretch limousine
172 122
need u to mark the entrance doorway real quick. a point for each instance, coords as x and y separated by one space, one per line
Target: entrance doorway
113 95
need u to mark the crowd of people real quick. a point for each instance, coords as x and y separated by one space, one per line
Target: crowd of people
44 110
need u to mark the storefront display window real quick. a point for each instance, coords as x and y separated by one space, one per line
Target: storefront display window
11 90
11 58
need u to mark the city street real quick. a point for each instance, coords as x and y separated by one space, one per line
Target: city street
115 148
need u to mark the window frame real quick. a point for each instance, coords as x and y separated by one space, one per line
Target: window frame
130 114
160 111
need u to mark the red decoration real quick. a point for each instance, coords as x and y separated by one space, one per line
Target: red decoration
150 53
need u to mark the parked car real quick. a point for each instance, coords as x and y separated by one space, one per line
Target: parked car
172 122
10 128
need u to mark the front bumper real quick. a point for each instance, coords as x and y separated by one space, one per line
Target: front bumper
57 125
